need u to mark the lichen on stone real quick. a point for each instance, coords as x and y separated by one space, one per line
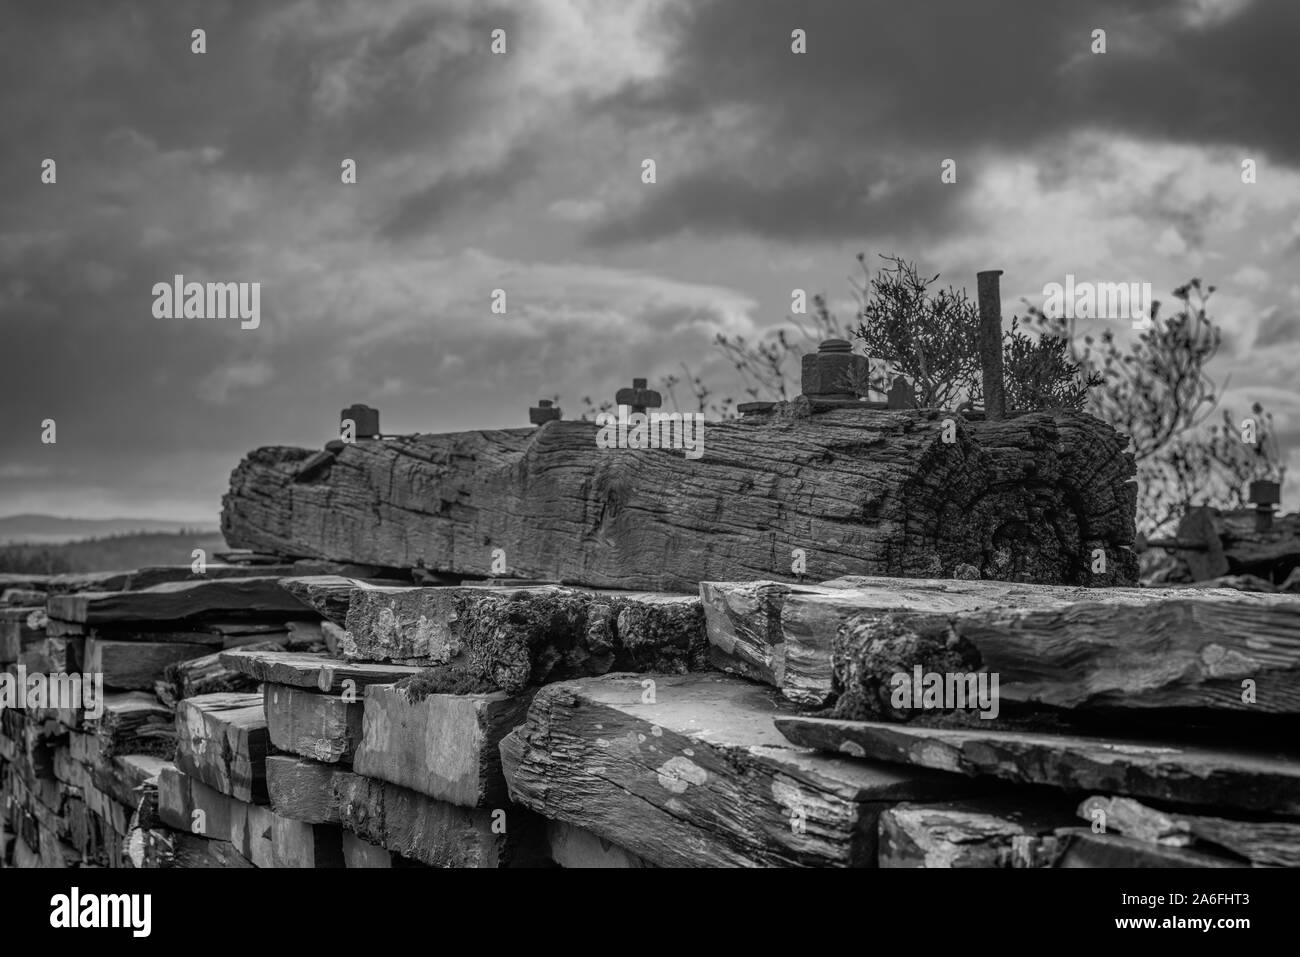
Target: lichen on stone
869 650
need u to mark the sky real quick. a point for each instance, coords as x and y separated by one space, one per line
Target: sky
522 171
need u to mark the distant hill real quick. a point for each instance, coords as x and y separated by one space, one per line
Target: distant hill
110 553
50 529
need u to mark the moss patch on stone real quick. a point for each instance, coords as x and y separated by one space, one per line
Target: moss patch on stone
869 651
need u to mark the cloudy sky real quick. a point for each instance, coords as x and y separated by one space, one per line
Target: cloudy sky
523 171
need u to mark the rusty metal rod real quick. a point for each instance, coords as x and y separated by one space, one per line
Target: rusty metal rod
990 343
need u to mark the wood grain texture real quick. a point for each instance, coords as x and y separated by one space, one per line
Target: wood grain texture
697 776
515 637
442 745
1116 648
1268 782
861 491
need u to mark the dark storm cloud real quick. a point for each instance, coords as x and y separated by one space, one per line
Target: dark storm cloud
480 189
271 91
804 206
1278 327
926 81
173 162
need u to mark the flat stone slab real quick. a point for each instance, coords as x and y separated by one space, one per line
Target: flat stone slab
1170 772
305 670
690 771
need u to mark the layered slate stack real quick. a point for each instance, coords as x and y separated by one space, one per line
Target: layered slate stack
1041 497
626 670
68 794
80 782
1117 735
689 771
212 801
313 705
398 740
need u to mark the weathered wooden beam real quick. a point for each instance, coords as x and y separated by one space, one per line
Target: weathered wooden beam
222 740
306 670
179 601
1163 771
442 745
323 727
1120 648
689 771
511 638
861 492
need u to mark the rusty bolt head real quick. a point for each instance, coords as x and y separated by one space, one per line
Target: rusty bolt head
366 418
543 412
1263 493
639 397
831 371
